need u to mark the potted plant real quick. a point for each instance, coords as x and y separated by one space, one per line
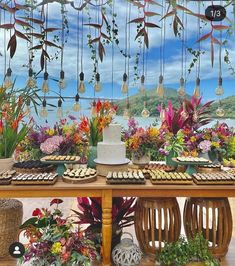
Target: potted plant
13 125
193 252
55 240
90 213
92 127
140 142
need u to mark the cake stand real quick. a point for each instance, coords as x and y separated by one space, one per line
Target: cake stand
103 168
60 165
191 166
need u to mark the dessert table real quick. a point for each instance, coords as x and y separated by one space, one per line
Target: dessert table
99 188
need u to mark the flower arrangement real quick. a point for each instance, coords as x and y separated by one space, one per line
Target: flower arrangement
13 126
53 240
63 138
140 141
101 117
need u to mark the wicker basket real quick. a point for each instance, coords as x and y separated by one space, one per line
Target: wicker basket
11 214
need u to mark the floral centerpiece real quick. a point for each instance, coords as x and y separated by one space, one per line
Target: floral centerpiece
90 213
63 138
141 142
13 125
54 240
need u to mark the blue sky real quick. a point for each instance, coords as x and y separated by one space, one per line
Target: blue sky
172 58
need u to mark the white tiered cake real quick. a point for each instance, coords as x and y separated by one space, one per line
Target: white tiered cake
112 151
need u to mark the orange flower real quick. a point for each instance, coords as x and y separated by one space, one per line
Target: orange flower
107 105
1 127
84 125
14 124
98 106
77 138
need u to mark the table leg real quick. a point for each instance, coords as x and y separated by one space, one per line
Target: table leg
106 226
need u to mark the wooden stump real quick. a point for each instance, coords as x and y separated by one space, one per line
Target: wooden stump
212 217
157 220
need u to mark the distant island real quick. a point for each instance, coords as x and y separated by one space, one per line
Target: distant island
137 102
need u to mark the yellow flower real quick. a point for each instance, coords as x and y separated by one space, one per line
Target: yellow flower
50 131
153 132
56 248
193 139
215 144
194 153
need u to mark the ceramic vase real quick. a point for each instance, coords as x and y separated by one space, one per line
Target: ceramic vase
145 159
92 155
6 163
168 159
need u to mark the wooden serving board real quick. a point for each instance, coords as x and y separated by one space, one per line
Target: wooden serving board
79 180
171 182
126 181
45 182
34 179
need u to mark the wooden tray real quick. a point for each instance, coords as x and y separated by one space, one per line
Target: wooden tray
79 180
219 178
15 181
128 181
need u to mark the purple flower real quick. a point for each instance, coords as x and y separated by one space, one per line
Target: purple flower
71 117
163 152
205 146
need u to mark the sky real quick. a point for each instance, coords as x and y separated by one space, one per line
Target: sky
172 57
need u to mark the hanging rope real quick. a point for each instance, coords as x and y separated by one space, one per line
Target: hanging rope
113 3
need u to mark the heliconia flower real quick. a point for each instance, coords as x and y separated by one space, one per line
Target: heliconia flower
98 106
56 201
37 212
1 127
14 124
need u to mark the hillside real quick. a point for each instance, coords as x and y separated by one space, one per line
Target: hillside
137 103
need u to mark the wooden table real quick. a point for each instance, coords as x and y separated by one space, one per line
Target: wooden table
107 192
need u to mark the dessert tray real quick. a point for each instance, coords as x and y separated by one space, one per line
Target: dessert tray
209 168
6 176
128 177
216 178
191 163
158 166
81 175
34 179
32 166
160 177
60 162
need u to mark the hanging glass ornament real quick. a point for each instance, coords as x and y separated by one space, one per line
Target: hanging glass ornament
27 109
31 82
163 113
59 112
124 88
45 85
43 112
184 114
126 112
219 90
220 111
145 112
81 86
160 88
8 80
93 109
197 92
142 87
76 105
62 83
97 83
181 90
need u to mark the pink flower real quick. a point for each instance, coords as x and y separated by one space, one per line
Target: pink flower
205 146
51 145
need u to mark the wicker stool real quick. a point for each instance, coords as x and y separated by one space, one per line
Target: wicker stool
212 217
156 220
11 213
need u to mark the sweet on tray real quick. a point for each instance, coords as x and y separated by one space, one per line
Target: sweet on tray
34 179
59 158
158 166
6 176
81 175
214 178
129 177
32 166
191 159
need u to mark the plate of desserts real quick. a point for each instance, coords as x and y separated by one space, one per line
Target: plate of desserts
6 176
216 178
190 159
126 177
60 159
208 168
34 179
80 175
32 166
160 177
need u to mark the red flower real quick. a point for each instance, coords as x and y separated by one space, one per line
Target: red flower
84 125
1 127
37 212
98 106
56 201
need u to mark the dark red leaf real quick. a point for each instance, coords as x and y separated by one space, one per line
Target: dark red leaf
56 201
21 7
175 26
151 25
146 38
51 29
105 19
203 17
137 20
220 27
42 61
36 47
7 8
51 44
138 4
169 14
151 14
45 54
34 20
95 40
101 51
214 40
97 26
204 37
140 33
152 2
21 35
7 26
105 36
179 21
36 35
22 23
182 8
12 45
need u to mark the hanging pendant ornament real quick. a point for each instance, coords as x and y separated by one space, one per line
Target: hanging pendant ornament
126 112
142 87
219 90
45 85
220 111
163 113
76 105
181 90
31 82
43 112
59 112
8 80
160 88
124 88
184 114
81 86
145 113
197 92
62 83
93 109
97 83
27 109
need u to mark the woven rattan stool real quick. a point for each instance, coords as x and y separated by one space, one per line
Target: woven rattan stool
212 217
11 213
156 220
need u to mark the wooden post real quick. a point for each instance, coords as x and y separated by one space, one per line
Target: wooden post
106 226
